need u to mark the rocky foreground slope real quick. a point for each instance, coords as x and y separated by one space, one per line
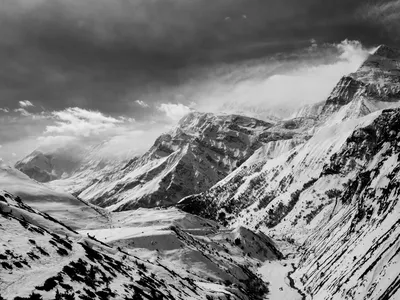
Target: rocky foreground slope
144 254
63 206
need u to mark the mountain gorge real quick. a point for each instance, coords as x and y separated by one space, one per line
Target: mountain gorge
222 205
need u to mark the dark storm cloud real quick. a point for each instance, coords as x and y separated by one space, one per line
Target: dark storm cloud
106 54
385 14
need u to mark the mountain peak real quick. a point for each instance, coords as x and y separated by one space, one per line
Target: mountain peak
201 123
387 52
377 79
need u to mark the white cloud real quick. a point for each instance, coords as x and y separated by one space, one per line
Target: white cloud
307 80
23 106
125 119
174 111
4 110
141 103
77 129
80 122
25 103
23 112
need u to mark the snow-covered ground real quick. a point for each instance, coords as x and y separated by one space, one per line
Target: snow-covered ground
148 252
186 243
276 274
62 206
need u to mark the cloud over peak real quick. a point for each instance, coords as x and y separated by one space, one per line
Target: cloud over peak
80 122
174 112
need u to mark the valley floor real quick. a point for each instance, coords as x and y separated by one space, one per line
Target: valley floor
145 230
277 273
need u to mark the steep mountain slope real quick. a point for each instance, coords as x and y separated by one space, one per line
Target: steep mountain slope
355 254
156 255
335 195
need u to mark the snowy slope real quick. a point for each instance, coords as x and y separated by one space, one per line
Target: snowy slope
62 206
188 244
150 254
355 253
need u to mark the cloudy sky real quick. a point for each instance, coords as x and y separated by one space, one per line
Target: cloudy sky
86 70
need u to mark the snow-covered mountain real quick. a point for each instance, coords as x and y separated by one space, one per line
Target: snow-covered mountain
325 126
47 165
335 196
200 151
50 164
